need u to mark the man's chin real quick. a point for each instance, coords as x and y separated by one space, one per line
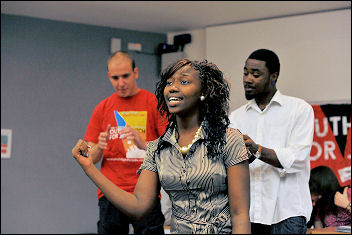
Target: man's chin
123 94
249 96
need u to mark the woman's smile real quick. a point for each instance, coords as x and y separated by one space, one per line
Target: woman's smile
174 101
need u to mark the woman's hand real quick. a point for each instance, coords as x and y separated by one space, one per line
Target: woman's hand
341 200
80 153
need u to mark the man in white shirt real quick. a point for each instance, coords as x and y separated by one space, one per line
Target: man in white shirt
278 132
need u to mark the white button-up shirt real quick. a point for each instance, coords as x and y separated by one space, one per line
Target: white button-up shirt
286 125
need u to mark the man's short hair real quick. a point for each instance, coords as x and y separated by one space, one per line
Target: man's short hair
124 54
271 59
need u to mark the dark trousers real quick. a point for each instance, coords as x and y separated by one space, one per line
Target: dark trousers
112 220
292 225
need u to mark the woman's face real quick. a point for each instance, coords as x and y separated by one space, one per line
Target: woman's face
315 198
182 91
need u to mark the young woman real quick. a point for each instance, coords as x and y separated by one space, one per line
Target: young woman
199 161
324 183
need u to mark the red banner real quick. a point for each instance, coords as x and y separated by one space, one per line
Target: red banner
332 140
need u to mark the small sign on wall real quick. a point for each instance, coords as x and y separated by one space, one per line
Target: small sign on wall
6 142
115 45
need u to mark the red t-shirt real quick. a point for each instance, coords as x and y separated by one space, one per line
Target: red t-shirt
122 159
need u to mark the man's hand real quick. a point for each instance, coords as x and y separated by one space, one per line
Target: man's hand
129 133
267 155
104 138
250 145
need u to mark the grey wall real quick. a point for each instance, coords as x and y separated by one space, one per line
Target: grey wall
52 76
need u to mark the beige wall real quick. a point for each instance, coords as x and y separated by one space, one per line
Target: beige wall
314 51
196 49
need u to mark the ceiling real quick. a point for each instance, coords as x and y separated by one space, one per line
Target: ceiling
165 16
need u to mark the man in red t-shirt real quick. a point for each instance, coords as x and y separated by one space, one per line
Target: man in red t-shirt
122 148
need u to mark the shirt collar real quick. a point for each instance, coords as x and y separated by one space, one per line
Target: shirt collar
277 98
170 135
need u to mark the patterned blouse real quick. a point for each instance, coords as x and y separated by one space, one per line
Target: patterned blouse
195 183
342 218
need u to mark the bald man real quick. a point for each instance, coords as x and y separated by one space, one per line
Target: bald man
122 148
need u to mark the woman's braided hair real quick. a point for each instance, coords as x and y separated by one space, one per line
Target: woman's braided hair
214 109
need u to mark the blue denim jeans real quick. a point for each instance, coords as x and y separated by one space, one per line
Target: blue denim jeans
292 225
111 220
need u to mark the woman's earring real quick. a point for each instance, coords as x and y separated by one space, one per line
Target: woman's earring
202 98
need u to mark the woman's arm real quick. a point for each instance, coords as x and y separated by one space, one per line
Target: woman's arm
318 224
97 149
239 197
135 205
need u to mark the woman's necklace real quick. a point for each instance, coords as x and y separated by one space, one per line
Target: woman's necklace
184 150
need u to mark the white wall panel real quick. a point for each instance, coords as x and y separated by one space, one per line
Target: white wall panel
314 52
